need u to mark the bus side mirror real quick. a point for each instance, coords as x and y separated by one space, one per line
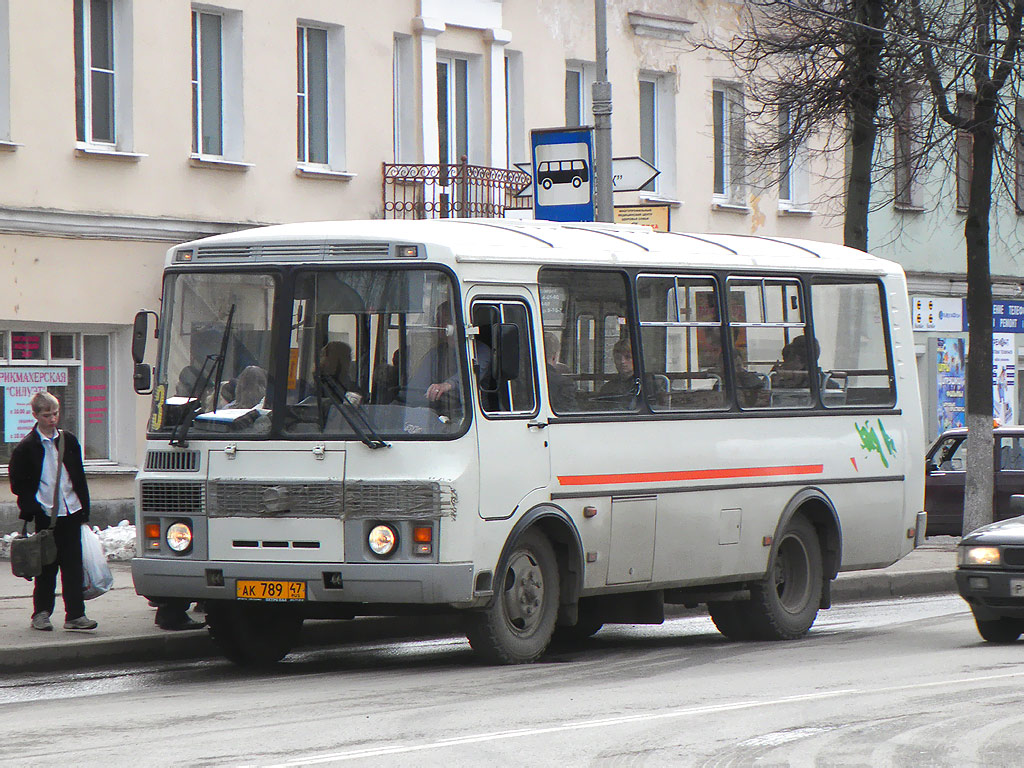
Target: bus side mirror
505 357
142 376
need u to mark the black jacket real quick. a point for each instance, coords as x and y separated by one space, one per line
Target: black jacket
26 468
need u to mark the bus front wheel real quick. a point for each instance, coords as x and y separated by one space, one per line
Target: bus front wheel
784 605
517 626
1002 630
252 635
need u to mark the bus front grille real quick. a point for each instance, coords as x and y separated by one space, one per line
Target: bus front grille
233 498
171 498
172 461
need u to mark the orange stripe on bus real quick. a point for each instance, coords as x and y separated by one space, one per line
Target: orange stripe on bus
691 474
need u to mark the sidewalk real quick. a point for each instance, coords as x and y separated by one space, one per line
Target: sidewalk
126 631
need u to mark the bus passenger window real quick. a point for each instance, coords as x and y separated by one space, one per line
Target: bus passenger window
498 395
855 364
681 333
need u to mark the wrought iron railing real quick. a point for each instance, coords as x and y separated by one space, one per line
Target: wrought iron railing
419 191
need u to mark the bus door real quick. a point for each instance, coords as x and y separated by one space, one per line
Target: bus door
513 448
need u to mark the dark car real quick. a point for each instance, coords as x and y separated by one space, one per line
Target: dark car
990 577
945 470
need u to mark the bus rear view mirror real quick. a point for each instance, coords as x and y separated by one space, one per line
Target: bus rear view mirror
142 379
140 330
505 361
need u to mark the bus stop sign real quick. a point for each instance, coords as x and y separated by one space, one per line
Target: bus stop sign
563 177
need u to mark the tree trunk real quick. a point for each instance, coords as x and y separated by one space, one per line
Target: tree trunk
980 450
863 123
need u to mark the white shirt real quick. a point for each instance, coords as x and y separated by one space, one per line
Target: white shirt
69 503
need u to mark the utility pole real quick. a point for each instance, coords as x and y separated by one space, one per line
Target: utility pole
602 100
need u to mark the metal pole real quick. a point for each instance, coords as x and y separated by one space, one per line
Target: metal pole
602 99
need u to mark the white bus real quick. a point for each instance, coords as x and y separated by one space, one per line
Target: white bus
544 427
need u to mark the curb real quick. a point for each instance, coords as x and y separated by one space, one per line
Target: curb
197 645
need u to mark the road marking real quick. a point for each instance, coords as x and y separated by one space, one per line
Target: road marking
578 725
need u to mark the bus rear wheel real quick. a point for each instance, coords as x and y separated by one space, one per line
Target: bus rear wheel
516 627
253 635
784 605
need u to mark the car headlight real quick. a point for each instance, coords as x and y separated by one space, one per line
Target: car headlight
179 537
980 556
382 540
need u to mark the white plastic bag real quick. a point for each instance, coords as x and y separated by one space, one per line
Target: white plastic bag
96 575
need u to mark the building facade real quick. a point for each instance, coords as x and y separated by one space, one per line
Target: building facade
141 124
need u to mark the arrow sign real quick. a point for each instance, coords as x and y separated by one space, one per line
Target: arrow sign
526 191
630 174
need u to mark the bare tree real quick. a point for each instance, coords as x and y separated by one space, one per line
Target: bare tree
970 59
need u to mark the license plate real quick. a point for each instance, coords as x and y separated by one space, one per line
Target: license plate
278 591
1017 587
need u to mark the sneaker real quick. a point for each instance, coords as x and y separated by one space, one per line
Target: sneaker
82 622
41 621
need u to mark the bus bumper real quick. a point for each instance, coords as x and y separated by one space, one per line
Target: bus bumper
411 583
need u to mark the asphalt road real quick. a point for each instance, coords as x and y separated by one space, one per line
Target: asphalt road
893 683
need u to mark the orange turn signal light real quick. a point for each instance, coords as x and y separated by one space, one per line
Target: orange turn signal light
152 530
423 535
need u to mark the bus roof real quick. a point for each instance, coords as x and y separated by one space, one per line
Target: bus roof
526 241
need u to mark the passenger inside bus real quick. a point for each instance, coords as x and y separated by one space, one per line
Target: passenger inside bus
336 364
793 371
250 388
561 389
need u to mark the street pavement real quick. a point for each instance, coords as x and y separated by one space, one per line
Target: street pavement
127 633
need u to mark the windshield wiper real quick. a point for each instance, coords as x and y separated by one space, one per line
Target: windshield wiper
352 414
178 438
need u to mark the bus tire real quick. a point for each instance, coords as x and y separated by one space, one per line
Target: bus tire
516 627
1002 630
784 605
730 618
252 635
582 630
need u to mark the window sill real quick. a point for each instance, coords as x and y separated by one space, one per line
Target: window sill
96 467
107 152
791 210
660 200
322 172
218 163
721 205
9 146
908 208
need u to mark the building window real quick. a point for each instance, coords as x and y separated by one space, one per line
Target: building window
1018 143
579 80
649 126
452 110
657 130
516 149
964 150
207 84
729 133
312 95
5 72
217 83
94 71
74 367
907 150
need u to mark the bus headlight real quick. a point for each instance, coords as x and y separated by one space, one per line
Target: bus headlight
179 537
382 540
980 556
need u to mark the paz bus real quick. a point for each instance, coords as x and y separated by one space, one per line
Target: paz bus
542 427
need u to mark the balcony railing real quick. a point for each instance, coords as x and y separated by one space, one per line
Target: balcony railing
418 191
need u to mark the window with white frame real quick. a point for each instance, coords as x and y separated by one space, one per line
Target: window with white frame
216 83
5 71
729 139
320 95
579 82
94 71
907 151
657 129
516 149
793 181
453 109
74 367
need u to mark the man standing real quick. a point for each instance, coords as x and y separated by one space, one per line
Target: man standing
39 480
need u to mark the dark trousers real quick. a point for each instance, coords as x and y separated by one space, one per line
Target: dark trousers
68 536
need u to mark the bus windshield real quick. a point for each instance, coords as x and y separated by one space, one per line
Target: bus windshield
371 353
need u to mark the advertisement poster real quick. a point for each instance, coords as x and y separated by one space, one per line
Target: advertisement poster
19 384
1004 378
950 381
